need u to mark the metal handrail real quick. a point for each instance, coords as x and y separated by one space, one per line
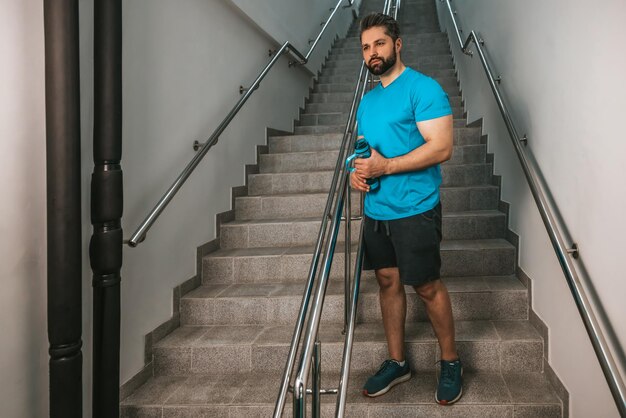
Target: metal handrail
295 340
350 320
140 233
556 230
310 355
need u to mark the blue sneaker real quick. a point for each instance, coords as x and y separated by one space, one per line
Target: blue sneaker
390 374
450 386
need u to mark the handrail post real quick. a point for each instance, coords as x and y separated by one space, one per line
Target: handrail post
317 379
299 399
347 256
347 348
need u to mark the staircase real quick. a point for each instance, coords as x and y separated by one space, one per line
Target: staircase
226 358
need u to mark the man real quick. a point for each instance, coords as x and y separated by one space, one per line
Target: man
407 121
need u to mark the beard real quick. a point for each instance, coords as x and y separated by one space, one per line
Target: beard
382 66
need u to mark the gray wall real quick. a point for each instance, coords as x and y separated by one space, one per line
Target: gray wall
24 342
183 64
562 63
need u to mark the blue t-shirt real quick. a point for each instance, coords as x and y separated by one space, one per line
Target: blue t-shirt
387 119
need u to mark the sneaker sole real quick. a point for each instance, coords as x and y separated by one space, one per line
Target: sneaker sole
391 384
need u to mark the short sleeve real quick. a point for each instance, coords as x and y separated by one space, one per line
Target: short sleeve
359 113
430 101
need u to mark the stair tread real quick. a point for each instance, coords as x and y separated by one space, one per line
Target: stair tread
446 245
477 186
331 333
474 284
469 213
333 151
259 389
287 173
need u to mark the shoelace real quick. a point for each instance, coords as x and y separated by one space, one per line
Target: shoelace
447 372
384 366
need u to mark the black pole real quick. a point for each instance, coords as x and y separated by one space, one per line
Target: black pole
105 249
63 207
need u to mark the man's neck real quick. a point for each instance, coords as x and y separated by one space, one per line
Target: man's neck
393 73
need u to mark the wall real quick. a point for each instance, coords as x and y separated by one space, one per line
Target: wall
284 20
563 80
183 64
24 347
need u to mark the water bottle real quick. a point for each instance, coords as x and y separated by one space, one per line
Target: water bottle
362 150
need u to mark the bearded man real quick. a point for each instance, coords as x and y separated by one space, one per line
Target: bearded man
407 120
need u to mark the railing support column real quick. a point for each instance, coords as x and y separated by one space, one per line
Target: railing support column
105 249
64 238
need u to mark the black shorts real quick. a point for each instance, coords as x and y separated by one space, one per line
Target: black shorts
412 244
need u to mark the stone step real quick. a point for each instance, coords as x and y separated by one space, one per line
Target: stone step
301 161
409 51
462 136
450 85
311 124
424 67
433 28
421 38
338 119
346 98
415 40
466 139
319 181
472 298
304 205
291 264
436 61
244 395
295 232
344 108
277 233
461 133
496 346
351 78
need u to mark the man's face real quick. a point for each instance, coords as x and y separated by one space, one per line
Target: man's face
379 50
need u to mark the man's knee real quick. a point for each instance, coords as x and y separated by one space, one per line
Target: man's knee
428 291
388 278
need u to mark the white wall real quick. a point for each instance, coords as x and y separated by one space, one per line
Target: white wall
24 346
295 21
562 65
183 64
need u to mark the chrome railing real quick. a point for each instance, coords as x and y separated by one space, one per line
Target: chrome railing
310 356
140 233
347 142
350 319
556 231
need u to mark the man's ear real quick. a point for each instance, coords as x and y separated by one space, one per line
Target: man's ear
398 44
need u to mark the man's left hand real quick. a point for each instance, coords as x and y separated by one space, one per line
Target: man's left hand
372 167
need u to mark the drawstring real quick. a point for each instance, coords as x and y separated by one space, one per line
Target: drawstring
385 224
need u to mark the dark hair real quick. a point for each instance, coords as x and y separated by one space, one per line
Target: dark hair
390 24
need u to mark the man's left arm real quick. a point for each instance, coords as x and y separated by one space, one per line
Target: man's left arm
437 133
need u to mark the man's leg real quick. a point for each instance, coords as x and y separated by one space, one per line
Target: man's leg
393 308
439 310
437 302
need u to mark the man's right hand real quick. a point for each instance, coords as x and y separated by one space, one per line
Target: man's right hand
358 183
